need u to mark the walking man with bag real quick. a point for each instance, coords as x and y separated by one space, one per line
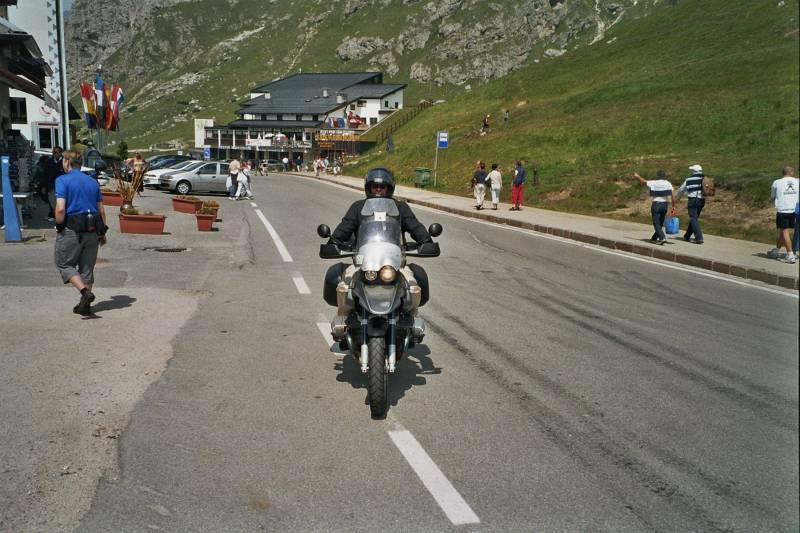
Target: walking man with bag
660 190
80 227
693 188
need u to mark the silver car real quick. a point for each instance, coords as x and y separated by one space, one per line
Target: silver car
209 176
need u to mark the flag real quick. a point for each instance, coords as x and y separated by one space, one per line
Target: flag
99 91
87 96
117 97
109 111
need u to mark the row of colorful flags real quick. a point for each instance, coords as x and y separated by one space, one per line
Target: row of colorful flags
101 104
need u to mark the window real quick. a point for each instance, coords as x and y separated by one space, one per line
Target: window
280 117
46 140
362 103
386 103
373 121
314 117
396 104
208 169
211 134
19 110
223 168
352 107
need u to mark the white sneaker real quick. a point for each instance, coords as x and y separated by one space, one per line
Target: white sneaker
774 253
790 258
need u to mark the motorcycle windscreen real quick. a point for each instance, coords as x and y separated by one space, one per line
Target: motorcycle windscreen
379 235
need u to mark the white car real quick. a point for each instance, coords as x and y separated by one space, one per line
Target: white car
152 177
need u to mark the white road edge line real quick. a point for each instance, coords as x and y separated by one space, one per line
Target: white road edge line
448 498
300 283
532 233
275 237
445 494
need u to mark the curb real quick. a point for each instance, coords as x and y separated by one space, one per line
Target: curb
721 267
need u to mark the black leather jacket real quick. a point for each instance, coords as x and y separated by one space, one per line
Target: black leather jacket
348 227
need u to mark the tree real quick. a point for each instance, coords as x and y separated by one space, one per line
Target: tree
122 150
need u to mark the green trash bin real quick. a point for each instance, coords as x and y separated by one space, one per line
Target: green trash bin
423 177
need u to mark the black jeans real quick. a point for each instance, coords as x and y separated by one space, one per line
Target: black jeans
659 212
695 208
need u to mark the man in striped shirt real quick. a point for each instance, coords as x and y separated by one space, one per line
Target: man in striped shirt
693 188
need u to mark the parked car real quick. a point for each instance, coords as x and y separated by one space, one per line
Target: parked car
153 176
167 161
209 176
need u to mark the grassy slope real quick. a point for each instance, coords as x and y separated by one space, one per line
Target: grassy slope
711 81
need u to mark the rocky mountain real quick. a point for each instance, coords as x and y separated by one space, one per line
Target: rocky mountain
184 59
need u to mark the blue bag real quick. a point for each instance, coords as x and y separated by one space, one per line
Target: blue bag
673 225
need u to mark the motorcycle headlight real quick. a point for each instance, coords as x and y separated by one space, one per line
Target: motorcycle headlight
370 275
388 274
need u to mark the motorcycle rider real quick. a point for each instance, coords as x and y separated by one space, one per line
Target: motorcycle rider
378 183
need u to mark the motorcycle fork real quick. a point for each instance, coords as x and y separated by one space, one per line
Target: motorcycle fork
392 348
364 360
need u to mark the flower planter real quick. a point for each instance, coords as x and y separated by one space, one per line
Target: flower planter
112 198
205 222
147 224
186 206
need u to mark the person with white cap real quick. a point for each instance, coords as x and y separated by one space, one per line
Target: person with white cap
693 188
785 194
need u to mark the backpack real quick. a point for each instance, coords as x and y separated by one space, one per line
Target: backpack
709 188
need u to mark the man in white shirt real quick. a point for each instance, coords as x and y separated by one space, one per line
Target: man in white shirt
784 193
660 190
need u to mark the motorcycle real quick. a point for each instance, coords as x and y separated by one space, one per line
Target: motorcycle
380 325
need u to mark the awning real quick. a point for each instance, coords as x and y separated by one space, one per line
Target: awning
18 82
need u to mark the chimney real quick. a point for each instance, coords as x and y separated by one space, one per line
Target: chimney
267 95
340 98
324 93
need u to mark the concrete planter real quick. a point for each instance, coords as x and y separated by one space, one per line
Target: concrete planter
112 198
205 222
186 206
146 224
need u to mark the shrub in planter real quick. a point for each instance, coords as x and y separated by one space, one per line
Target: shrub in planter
186 204
213 208
132 221
205 218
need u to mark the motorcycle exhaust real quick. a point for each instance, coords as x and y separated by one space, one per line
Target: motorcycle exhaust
364 339
392 342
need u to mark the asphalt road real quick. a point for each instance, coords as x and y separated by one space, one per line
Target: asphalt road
560 387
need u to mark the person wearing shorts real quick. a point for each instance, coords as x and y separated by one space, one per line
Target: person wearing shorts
80 229
785 194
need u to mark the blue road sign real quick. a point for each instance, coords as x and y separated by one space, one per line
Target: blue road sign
441 139
207 152
10 218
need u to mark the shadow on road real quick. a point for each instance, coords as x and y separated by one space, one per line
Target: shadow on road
119 301
410 372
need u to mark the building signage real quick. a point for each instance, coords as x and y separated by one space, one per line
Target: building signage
337 135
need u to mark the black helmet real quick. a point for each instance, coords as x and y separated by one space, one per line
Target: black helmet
379 175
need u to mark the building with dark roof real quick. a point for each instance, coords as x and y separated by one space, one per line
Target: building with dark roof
306 113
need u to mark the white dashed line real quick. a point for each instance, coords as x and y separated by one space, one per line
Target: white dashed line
253 204
445 494
275 237
300 283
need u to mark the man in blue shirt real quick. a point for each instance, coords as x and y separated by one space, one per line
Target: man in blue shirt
80 227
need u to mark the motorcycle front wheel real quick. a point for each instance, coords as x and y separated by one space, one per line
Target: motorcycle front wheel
377 377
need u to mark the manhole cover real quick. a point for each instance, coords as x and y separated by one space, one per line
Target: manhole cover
164 249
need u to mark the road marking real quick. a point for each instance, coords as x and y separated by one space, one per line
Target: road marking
275 237
253 204
300 283
445 494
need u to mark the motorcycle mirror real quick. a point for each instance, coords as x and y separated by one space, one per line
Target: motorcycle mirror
100 166
435 230
323 231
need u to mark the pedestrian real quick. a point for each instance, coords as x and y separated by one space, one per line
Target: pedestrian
51 168
785 194
299 163
337 166
243 183
80 229
326 165
485 125
495 181
693 188
518 187
285 162
505 117
479 184
317 166
660 190
233 177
